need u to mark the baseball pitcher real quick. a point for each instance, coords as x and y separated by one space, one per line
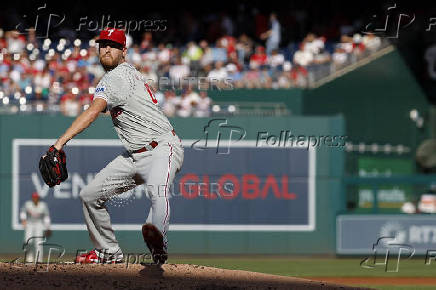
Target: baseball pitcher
153 155
35 219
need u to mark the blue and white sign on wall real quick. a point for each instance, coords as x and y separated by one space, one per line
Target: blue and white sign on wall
250 189
357 234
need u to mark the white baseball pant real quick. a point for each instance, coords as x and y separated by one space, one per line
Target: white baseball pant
33 238
155 168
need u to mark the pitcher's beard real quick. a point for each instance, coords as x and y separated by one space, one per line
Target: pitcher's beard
109 66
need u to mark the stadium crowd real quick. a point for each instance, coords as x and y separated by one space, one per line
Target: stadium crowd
60 72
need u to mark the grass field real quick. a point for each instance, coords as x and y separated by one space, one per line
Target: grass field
310 267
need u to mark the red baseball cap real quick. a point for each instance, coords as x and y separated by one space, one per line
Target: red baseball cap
35 195
113 34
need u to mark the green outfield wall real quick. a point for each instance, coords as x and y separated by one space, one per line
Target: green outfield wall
329 201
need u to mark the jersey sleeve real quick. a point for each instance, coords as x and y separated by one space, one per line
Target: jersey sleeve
111 88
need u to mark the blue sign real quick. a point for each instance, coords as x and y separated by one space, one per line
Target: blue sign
250 189
356 234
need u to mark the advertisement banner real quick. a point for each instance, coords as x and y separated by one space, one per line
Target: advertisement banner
248 189
356 234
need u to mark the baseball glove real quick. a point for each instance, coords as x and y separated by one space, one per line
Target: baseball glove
53 167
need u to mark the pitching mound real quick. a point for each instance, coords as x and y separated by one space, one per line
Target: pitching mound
169 276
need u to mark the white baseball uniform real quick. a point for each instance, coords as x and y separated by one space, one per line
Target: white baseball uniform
37 219
139 123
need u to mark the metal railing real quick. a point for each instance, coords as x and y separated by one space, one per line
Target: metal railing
322 73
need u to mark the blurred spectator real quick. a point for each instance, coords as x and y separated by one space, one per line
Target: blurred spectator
70 106
235 75
316 46
346 44
179 71
164 53
339 57
244 47
251 78
313 44
193 52
358 46
219 54
149 76
276 60
185 105
15 41
272 36
203 104
207 57
229 43
265 78
259 58
371 42
147 41
134 56
219 72
299 76
42 79
60 74
303 57
192 55
283 79
170 104
85 100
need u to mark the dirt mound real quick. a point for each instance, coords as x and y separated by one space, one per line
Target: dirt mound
121 276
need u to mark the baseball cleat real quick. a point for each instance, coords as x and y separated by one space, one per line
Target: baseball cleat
153 238
99 257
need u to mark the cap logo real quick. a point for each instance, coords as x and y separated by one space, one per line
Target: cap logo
110 31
